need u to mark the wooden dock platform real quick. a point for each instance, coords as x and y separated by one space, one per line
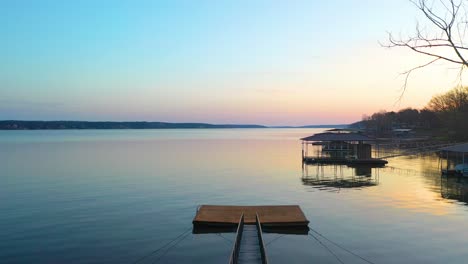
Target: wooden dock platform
345 161
271 215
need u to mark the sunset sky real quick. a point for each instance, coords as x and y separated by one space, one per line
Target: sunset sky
263 62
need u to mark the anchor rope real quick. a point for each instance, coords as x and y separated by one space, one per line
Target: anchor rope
341 247
185 233
327 248
169 248
274 239
163 246
225 238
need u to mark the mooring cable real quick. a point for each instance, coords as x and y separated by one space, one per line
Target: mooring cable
225 238
274 239
341 247
158 249
327 248
169 248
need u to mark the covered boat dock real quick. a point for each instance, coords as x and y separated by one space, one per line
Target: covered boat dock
457 153
340 147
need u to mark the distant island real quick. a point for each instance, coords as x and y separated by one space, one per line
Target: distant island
55 125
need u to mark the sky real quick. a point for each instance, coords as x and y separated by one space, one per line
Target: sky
245 61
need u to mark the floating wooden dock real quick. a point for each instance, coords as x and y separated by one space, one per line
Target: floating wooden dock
345 161
280 216
249 221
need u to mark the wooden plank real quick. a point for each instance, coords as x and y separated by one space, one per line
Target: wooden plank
271 215
249 248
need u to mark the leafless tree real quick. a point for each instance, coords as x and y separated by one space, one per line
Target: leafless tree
444 40
455 100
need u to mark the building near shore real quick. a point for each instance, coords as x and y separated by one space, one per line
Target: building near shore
340 147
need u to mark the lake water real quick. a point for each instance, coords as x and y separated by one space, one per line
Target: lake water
114 196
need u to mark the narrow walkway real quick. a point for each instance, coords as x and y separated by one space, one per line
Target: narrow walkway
417 149
249 246
249 251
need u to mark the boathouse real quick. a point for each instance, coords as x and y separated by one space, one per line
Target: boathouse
339 147
456 154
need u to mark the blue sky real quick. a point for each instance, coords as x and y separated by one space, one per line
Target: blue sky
267 62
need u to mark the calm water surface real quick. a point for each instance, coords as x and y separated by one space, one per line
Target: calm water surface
113 196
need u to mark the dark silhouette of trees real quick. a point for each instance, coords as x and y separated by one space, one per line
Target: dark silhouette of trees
382 123
445 115
408 117
452 111
428 119
455 100
443 40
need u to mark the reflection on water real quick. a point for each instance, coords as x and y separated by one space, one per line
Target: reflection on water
455 188
114 196
336 177
200 229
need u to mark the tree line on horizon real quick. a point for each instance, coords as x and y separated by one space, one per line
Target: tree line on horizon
445 116
54 125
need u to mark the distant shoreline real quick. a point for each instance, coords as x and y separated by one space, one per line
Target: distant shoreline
66 125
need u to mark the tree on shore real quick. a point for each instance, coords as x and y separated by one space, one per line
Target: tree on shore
455 100
444 40
452 111
446 115
382 123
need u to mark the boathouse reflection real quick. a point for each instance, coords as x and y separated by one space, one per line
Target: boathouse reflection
454 188
336 177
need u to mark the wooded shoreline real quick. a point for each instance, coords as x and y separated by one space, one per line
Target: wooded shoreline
57 125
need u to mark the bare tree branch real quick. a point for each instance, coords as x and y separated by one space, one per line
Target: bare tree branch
449 19
399 43
408 73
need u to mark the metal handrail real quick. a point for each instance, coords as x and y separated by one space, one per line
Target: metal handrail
260 239
236 248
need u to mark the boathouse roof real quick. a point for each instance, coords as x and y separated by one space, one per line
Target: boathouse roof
338 137
457 148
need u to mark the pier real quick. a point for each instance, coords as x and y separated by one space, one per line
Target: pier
249 246
410 148
250 222
457 154
345 161
340 147
278 216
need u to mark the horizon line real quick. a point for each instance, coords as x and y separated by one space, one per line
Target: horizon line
165 122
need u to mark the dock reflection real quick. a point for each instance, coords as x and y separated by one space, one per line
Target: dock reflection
204 229
454 188
336 177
